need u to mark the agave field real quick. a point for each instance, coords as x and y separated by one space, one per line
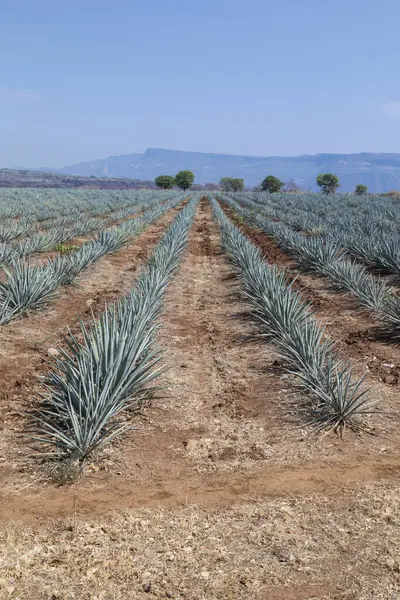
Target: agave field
199 395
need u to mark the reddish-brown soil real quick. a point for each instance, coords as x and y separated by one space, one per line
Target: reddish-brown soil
221 492
107 492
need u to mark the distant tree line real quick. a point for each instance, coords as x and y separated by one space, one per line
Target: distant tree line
327 182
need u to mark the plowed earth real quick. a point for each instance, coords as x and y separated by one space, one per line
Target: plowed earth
221 492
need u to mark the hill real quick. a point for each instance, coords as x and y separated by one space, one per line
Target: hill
45 179
380 172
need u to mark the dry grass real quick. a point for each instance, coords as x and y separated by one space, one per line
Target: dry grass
346 547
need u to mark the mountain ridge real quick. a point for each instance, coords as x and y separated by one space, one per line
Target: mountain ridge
379 171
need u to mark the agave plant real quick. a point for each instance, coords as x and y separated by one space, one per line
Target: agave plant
96 379
25 287
341 402
85 226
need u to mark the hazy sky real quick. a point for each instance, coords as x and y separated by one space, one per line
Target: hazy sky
89 79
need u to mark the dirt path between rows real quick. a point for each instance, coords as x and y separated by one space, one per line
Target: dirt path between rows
223 433
212 489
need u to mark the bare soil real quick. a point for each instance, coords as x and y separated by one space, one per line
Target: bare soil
221 492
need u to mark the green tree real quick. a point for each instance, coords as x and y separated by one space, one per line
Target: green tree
232 184
165 182
328 182
361 190
184 179
237 184
225 183
271 184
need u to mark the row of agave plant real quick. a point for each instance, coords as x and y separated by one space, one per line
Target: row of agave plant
367 228
44 204
98 380
14 230
76 212
335 401
63 230
29 286
320 213
327 257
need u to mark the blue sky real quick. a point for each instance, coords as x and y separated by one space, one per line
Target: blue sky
89 79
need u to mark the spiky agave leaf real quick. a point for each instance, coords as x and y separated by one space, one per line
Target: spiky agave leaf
341 401
27 286
385 254
390 312
7 253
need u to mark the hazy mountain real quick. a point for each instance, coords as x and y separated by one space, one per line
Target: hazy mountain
380 172
113 166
